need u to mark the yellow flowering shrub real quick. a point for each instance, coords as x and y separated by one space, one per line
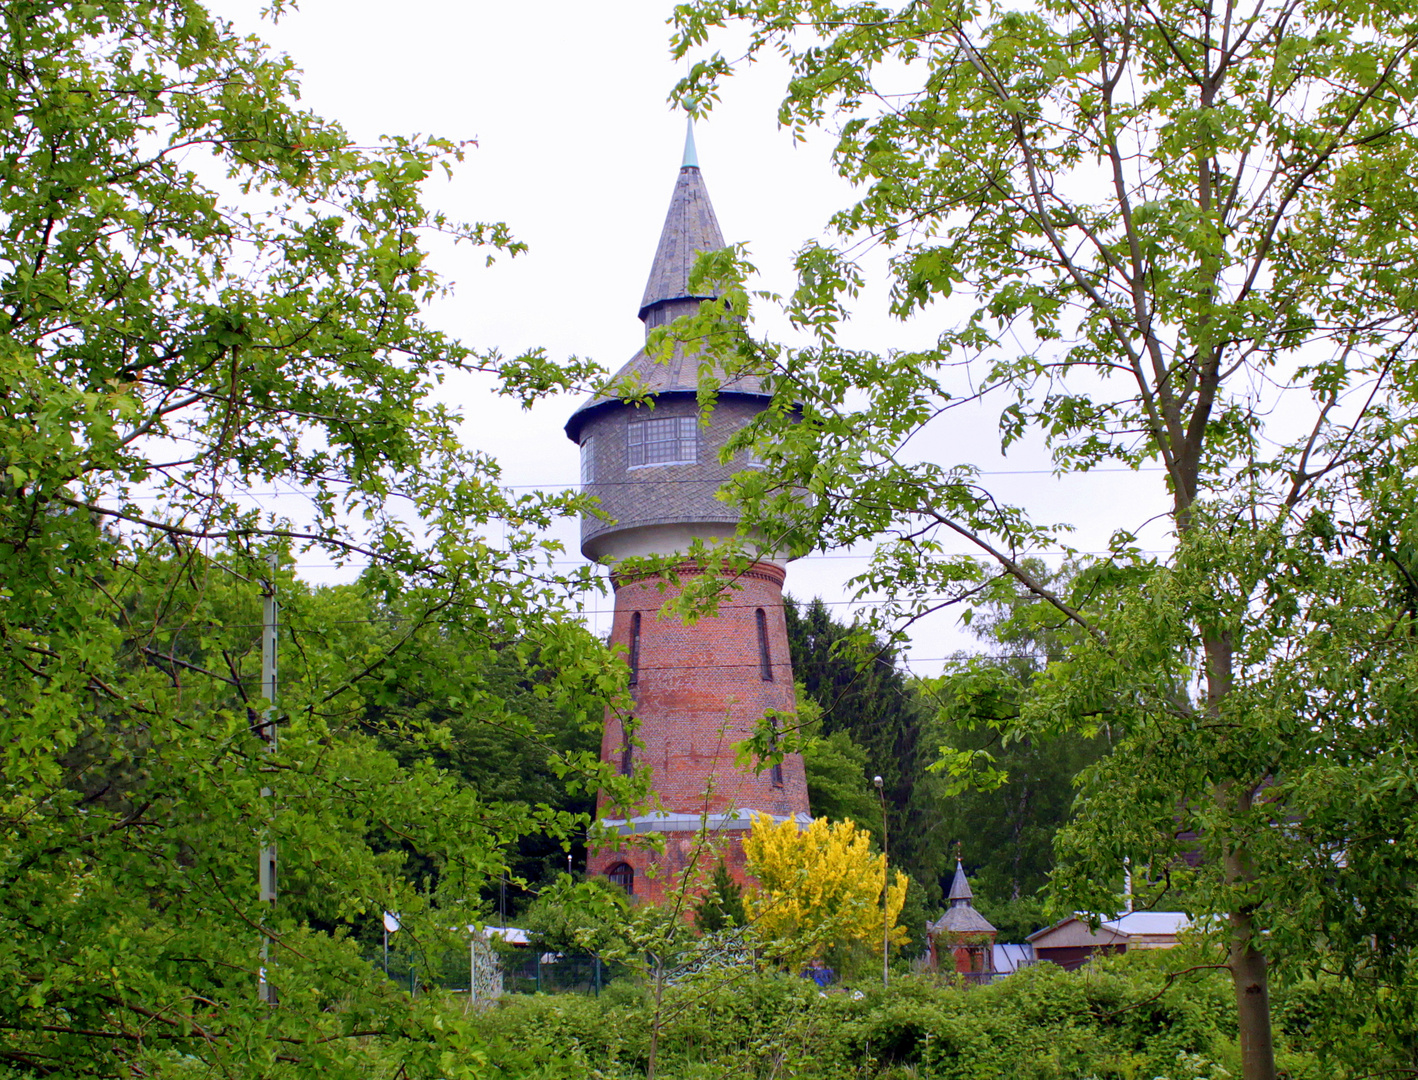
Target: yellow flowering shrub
818 887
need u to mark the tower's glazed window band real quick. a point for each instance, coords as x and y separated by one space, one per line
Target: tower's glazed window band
671 440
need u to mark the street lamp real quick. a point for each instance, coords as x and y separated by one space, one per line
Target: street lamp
391 925
885 892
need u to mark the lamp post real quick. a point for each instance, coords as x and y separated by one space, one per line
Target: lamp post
885 892
391 924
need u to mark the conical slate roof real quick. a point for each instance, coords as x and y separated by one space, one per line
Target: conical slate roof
961 917
960 886
962 920
690 228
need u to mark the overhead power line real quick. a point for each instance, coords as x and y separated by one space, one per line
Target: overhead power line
562 485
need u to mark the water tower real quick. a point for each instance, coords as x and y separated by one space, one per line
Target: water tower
697 689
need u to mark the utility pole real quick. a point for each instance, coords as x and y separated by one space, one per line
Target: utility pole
885 892
265 988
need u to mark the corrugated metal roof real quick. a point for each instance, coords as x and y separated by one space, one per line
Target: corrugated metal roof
1130 924
1008 958
513 935
1149 922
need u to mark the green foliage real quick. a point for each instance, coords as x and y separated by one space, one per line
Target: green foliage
1010 791
1120 1020
721 907
1169 238
1015 918
871 725
576 916
508 734
838 781
207 294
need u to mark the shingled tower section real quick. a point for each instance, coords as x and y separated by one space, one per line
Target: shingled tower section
697 690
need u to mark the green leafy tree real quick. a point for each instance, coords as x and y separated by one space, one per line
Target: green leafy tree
504 732
1166 237
577 916
871 718
1006 827
205 293
838 787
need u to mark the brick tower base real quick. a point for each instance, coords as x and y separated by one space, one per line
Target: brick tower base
698 690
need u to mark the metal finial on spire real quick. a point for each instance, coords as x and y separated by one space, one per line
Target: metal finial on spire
691 156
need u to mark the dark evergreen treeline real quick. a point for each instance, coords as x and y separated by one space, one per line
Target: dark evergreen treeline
876 719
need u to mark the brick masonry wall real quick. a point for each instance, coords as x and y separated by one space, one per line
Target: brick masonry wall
700 689
658 875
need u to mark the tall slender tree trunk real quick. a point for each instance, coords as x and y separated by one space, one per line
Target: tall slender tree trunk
1020 811
1251 981
1250 977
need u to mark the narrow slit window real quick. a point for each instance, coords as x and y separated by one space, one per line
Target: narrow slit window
635 649
777 770
627 750
765 659
672 440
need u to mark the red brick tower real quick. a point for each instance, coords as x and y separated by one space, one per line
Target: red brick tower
699 689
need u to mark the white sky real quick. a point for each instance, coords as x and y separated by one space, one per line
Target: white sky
578 151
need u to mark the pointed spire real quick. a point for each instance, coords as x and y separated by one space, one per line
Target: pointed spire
690 228
960 916
960 893
691 155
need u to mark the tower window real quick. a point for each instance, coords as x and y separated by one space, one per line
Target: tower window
627 751
588 460
635 649
777 770
765 659
623 874
669 441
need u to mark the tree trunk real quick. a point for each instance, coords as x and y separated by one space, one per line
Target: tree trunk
1249 975
1020 811
1251 981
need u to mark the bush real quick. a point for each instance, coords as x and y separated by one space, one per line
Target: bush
1117 1020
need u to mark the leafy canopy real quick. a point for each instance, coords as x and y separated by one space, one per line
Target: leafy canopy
207 294
1165 237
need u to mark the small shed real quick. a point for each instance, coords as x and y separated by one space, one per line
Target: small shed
962 934
1071 942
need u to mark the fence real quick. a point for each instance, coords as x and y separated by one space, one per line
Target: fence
520 971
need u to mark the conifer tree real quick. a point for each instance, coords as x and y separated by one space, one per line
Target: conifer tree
863 697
